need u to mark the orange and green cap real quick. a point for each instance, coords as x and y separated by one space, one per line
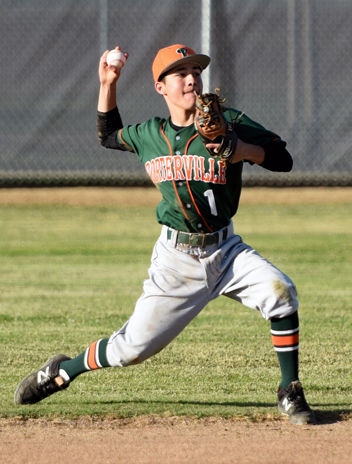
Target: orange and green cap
169 57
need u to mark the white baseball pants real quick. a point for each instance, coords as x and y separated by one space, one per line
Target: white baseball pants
183 279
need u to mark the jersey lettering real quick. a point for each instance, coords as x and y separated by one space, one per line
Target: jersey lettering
196 173
178 168
190 167
187 161
157 169
205 175
168 168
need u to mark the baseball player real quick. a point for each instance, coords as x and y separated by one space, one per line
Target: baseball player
198 255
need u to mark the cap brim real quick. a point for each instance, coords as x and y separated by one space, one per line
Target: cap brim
201 60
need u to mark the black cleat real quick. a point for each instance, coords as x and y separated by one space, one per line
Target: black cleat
293 404
41 384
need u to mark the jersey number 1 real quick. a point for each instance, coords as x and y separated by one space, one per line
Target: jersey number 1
211 199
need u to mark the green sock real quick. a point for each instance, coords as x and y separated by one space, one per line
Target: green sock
94 357
285 338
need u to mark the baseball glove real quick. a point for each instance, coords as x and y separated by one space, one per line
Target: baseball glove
212 126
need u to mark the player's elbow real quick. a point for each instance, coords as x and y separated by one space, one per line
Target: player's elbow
289 165
277 159
103 140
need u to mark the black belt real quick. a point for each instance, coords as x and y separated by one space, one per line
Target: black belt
199 240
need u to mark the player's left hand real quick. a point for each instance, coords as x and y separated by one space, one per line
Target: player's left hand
217 134
237 155
213 147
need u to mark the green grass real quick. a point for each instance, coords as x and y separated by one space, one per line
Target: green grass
71 275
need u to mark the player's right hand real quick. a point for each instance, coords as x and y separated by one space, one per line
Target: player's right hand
109 75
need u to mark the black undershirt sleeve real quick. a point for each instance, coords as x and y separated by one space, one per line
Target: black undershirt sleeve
107 126
277 158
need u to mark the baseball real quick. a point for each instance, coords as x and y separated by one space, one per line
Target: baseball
116 58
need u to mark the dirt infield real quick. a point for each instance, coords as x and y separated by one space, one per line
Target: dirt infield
155 440
164 440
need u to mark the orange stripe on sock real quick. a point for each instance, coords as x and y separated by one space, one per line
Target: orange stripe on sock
286 340
91 357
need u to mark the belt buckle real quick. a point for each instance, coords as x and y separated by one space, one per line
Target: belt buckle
197 240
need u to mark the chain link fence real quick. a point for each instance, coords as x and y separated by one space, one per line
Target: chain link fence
286 63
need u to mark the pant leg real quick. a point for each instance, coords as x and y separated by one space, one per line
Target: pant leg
172 296
252 280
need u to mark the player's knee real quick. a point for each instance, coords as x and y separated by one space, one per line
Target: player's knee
282 300
285 291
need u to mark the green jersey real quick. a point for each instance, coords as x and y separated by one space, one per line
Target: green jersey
200 193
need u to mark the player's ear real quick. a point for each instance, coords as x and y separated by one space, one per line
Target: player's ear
160 87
